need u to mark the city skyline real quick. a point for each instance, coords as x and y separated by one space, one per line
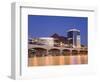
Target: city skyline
46 26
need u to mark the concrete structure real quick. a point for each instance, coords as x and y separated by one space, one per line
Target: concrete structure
47 41
46 50
74 38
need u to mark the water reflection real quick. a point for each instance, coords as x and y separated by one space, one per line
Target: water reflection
58 60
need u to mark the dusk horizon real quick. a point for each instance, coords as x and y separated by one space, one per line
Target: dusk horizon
46 26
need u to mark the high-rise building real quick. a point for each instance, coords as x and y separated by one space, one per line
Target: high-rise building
74 38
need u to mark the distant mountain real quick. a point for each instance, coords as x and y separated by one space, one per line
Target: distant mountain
59 38
55 35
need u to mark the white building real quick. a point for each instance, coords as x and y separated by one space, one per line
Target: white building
47 41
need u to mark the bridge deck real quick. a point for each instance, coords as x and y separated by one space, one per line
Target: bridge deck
53 47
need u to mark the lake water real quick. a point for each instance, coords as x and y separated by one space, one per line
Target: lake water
58 60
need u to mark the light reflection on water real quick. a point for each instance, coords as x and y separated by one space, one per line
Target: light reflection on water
58 60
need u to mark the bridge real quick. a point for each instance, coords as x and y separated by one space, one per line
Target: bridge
44 50
30 46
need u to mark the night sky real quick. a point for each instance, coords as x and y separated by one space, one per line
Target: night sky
45 26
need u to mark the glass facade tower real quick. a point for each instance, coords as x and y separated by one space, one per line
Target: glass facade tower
74 39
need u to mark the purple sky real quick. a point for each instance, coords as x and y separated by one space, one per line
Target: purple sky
44 26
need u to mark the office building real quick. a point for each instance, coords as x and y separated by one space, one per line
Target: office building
74 39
